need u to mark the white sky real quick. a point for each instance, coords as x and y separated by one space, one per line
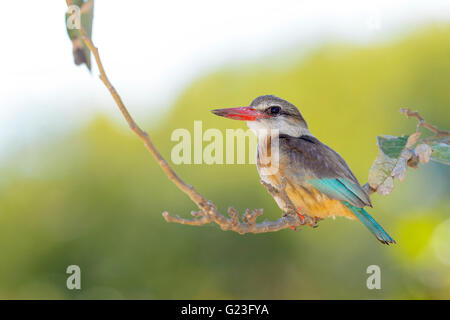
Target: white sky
152 49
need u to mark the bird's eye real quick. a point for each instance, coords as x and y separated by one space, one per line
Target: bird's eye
274 110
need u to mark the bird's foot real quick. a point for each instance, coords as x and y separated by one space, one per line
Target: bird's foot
302 217
314 224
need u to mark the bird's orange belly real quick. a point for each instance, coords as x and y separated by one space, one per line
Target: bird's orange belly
310 201
314 203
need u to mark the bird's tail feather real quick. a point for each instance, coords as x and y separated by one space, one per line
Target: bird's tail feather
371 224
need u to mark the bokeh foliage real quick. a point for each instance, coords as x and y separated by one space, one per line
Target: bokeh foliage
94 197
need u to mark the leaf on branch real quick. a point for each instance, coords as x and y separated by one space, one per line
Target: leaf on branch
80 12
441 152
423 152
397 153
392 146
392 161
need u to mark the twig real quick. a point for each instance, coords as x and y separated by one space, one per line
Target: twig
248 224
208 212
368 189
423 123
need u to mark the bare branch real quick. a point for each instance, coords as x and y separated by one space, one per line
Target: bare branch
248 225
233 223
208 212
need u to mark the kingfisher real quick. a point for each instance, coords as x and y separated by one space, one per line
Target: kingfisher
317 179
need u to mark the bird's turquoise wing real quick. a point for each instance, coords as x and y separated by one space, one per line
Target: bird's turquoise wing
341 189
309 160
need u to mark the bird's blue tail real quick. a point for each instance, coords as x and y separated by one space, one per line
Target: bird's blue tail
371 224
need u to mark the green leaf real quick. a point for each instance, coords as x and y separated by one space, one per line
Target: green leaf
73 33
80 51
392 146
441 153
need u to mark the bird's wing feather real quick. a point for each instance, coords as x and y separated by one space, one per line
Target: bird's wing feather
313 162
340 189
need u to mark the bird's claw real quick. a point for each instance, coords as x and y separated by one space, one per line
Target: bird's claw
302 217
315 223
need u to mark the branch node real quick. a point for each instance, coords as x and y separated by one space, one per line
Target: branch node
423 123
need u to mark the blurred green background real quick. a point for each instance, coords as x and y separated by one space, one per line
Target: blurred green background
94 196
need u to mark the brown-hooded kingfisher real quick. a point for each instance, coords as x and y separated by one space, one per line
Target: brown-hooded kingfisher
317 179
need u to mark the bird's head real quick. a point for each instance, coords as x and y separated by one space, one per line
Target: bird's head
269 113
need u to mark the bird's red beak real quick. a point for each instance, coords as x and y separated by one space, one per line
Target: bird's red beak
242 113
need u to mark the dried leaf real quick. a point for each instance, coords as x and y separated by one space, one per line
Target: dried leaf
380 170
386 187
402 164
423 151
412 140
391 162
413 162
399 169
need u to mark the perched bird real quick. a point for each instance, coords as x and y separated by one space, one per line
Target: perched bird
317 179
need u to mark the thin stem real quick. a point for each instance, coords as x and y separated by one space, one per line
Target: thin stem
423 123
